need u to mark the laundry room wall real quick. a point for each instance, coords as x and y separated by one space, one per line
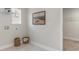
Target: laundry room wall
48 36
7 36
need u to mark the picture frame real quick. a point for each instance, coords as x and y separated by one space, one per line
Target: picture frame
39 18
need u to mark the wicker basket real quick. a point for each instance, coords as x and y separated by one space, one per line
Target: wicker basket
25 40
17 42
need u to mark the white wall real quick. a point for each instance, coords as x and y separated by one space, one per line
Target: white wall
49 35
71 23
7 36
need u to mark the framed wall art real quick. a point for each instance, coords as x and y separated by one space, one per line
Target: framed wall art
39 18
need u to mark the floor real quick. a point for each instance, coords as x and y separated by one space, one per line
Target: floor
25 47
70 45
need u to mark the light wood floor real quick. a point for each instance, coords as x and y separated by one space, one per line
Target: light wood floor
70 45
26 47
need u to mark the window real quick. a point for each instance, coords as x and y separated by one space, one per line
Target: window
16 15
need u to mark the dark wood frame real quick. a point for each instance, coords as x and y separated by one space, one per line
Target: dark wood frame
37 13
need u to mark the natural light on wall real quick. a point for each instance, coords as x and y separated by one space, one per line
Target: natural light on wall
16 15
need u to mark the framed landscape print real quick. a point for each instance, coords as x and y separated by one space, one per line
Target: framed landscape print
38 18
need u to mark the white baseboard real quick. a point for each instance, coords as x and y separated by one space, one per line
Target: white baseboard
71 38
5 46
47 48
